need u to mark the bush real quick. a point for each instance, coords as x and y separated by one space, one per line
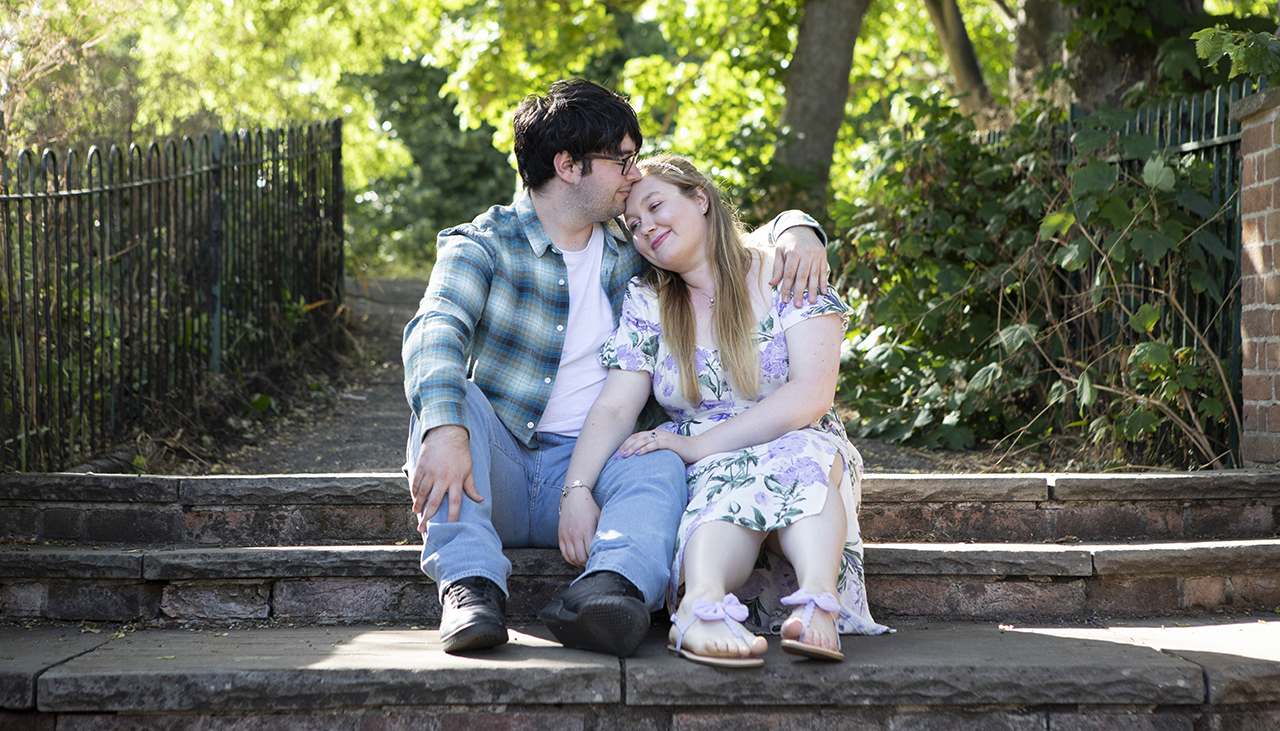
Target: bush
1037 287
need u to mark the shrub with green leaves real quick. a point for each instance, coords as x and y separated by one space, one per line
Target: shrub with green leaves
1037 287
1251 53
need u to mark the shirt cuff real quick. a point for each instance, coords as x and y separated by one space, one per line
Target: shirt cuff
791 219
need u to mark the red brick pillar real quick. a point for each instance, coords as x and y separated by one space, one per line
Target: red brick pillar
1259 118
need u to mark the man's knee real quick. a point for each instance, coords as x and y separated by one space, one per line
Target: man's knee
661 471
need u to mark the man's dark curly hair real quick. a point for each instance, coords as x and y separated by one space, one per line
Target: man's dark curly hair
577 116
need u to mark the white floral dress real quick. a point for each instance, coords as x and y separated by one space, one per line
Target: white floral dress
764 487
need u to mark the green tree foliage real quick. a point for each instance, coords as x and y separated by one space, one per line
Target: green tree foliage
48 51
1154 38
252 63
455 174
1251 54
943 236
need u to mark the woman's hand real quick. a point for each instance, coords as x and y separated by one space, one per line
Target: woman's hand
579 516
644 442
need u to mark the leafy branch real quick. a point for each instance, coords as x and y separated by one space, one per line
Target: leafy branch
1251 54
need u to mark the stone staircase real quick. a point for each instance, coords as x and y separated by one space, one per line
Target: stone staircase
295 601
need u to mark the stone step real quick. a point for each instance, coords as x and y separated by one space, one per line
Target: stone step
374 508
384 583
1205 673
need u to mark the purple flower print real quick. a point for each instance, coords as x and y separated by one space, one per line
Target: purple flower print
700 358
631 320
773 359
756 584
780 305
629 358
803 471
663 387
785 446
788 463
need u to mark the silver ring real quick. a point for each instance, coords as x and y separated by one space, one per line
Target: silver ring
653 435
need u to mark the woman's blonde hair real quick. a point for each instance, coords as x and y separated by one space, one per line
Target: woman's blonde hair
733 318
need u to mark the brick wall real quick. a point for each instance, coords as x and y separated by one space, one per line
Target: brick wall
1259 118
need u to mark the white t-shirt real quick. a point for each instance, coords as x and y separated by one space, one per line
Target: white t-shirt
580 377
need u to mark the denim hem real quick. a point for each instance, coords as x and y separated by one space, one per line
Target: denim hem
441 585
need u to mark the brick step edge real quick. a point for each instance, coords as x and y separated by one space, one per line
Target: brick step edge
384 583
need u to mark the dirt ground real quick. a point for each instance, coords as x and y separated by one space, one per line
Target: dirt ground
358 423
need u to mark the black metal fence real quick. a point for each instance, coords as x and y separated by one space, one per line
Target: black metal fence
1196 125
129 276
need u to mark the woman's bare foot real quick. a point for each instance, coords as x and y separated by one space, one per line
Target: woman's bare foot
822 629
713 637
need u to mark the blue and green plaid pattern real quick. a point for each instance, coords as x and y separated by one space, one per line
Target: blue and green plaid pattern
495 311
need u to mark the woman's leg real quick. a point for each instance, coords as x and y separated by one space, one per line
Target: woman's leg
815 546
717 559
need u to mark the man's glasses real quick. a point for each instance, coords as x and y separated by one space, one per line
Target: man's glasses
625 162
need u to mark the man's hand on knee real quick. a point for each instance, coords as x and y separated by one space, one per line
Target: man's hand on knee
443 472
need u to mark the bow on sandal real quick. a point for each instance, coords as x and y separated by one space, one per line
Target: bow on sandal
827 602
709 611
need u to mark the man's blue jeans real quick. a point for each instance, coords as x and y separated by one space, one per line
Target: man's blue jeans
641 500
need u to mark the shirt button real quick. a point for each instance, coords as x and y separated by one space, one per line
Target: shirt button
546 380
530 425
561 282
559 328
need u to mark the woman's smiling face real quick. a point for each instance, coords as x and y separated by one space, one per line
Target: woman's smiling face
669 229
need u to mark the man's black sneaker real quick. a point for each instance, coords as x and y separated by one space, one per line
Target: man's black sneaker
473 616
602 612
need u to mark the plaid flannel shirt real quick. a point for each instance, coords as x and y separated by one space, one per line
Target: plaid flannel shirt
495 311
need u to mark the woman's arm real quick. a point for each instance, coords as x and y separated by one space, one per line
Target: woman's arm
609 422
813 348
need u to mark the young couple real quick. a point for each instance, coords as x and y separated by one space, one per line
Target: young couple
546 320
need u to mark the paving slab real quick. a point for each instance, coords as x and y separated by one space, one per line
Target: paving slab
1207 558
1212 485
26 653
925 666
369 488
320 668
1241 659
929 665
908 488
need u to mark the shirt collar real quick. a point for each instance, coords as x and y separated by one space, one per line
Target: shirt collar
615 234
533 230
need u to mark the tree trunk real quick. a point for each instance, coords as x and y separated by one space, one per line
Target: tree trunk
970 84
1102 73
1035 46
817 87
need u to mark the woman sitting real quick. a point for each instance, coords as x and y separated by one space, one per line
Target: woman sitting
748 381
